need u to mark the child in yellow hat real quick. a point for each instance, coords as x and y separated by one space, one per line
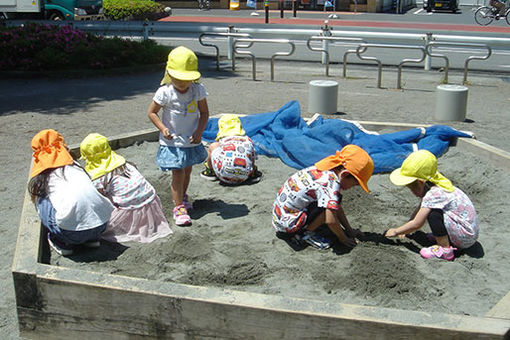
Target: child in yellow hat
311 197
231 158
184 117
449 211
138 215
70 207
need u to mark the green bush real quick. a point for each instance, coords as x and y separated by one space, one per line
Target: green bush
131 9
36 47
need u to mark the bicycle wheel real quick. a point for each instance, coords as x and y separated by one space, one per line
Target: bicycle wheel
484 16
507 16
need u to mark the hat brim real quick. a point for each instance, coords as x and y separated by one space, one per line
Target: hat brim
361 183
184 75
398 179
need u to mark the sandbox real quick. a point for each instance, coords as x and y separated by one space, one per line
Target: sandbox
177 289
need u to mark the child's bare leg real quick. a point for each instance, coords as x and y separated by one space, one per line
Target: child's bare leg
177 186
209 151
443 241
317 222
187 177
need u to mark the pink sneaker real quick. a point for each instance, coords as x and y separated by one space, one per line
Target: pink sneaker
187 204
438 252
181 216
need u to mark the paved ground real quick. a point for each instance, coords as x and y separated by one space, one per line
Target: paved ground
117 104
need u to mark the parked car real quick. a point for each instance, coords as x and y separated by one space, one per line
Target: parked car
443 5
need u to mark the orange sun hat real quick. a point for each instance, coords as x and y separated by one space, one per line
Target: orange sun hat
50 151
354 159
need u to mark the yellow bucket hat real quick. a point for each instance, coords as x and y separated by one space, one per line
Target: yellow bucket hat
229 125
421 164
100 159
182 64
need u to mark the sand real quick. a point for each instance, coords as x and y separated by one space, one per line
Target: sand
231 239
231 244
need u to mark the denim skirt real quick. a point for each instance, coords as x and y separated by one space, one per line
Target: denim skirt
173 158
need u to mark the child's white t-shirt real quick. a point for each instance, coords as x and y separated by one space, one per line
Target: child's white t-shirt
78 205
180 113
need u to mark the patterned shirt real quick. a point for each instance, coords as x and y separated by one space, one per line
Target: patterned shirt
460 218
233 160
126 192
305 187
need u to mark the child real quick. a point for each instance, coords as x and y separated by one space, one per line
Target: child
184 117
70 207
449 211
311 197
231 159
138 215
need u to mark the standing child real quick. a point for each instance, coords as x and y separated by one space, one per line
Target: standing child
231 158
70 207
138 215
449 211
184 118
311 197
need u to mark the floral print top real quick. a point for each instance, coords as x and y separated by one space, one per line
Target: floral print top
460 218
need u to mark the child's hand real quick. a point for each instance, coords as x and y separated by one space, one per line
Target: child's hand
166 133
355 233
392 232
349 242
196 138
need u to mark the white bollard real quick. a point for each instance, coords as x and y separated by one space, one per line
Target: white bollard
451 102
323 96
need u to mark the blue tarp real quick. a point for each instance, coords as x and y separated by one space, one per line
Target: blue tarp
286 135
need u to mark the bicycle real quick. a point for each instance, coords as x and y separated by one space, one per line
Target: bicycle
204 5
485 15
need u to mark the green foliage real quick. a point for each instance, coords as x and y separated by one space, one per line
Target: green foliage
35 47
138 9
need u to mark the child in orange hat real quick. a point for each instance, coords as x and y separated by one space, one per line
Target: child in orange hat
185 113
138 215
311 197
70 207
448 210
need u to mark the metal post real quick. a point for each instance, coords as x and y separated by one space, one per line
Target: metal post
294 8
281 8
266 10
230 42
326 31
428 38
145 31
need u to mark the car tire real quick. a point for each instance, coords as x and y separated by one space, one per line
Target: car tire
55 16
429 9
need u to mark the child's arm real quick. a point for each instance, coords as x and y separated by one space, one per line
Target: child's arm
152 113
333 223
202 122
347 226
416 223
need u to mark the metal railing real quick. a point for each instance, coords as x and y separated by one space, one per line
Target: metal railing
229 36
430 45
362 48
326 50
250 42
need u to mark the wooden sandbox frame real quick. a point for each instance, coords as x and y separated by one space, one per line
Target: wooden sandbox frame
56 302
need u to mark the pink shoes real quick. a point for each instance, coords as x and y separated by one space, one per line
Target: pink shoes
438 252
181 216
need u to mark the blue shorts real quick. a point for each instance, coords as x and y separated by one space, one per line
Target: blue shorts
61 236
173 158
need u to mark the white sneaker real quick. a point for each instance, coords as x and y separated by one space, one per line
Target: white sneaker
59 250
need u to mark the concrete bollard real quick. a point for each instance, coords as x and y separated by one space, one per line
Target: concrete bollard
323 96
451 102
